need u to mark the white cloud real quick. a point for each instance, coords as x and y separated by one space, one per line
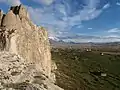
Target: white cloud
46 18
45 2
106 6
114 30
112 36
61 9
50 19
1 0
92 3
89 28
14 2
85 15
95 39
118 3
11 2
88 12
80 26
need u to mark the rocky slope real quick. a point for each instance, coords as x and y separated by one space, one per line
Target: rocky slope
17 74
19 36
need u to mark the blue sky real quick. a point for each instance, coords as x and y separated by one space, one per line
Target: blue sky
74 20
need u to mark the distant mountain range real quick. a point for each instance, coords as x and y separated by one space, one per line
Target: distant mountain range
86 39
62 44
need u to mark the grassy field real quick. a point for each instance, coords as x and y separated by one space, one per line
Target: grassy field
77 70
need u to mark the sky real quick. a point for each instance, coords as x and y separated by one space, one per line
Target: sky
74 20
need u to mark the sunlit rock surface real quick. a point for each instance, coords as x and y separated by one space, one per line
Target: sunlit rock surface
19 36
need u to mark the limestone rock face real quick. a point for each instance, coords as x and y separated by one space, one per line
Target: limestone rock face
9 20
24 38
17 74
1 15
22 12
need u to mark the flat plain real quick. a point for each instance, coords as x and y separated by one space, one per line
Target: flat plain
87 70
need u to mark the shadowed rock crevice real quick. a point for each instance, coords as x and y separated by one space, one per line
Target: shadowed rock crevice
15 9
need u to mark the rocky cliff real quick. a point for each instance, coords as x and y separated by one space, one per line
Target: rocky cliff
25 57
17 74
20 36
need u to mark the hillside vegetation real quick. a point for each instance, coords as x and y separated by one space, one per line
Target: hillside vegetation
81 70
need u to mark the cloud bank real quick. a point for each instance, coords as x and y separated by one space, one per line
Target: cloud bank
11 2
62 17
45 2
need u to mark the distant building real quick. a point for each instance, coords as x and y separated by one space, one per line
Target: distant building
99 74
102 54
88 50
103 74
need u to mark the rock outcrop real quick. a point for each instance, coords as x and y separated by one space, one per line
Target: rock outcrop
20 36
1 15
17 74
25 53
